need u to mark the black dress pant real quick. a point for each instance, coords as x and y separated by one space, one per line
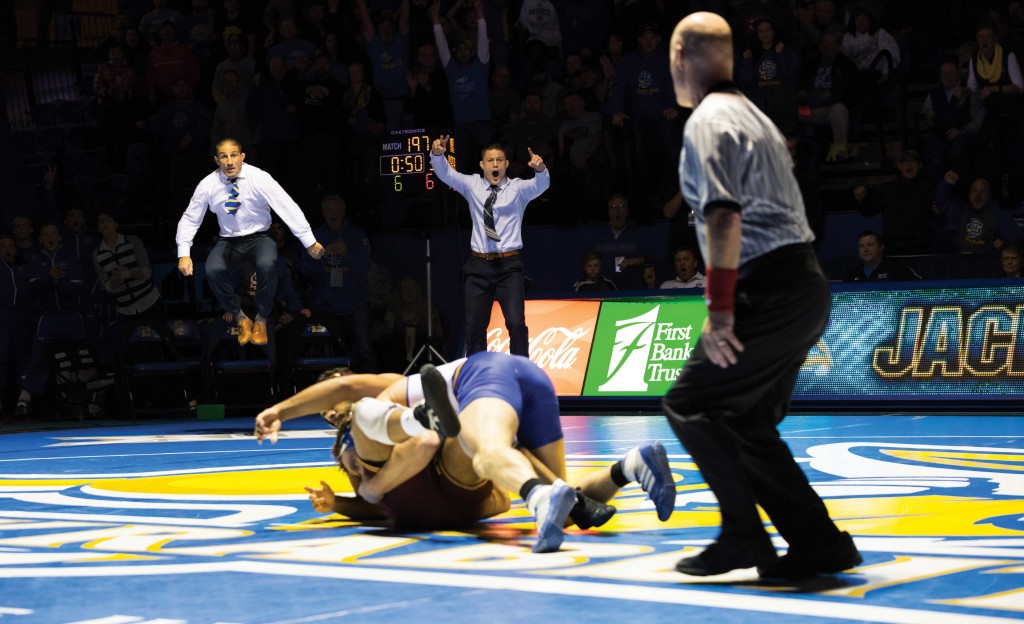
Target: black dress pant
726 418
500 279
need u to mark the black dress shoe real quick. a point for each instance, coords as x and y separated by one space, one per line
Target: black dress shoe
797 565
718 558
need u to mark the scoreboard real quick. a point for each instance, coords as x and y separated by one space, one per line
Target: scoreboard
405 161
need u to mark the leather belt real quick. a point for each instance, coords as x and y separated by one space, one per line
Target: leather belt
495 255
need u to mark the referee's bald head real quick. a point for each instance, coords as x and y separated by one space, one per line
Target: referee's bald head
701 55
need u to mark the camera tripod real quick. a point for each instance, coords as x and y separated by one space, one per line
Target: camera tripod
427 350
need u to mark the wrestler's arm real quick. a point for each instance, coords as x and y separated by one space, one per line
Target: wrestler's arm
320 397
396 392
407 459
325 500
498 503
358 508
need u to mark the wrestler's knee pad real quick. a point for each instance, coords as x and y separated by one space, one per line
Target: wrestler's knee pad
371 416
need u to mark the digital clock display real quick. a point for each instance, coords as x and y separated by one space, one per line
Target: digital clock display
405 160
403 163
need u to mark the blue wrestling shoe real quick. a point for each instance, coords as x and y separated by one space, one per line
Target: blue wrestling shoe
655 478
551 518
436 412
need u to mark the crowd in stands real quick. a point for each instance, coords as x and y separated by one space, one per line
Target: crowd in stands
310 89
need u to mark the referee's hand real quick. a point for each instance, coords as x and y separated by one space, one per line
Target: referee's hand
316 250
718 340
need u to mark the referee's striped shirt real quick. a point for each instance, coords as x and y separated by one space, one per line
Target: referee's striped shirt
734 154
136 294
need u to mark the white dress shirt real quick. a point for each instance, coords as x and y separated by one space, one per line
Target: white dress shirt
697 281
513 196
258 193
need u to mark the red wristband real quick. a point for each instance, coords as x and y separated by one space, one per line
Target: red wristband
719 289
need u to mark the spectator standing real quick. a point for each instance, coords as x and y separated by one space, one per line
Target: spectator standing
17 315
533 131
277 127
199 33
231 117
539 21
297 53
429 102
340 283
642 94
363 110
953 115
467 83
749 14
243 66
387 46
581 22
236 22
55 281
117 103
908 221
152 23
995 75
580 146
768 72
169 62
182 128
319 106
506 104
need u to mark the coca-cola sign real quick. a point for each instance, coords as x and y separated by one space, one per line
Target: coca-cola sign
561 335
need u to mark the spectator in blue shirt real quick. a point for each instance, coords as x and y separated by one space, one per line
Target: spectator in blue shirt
979 224
340 283
387 46
642 93
467 82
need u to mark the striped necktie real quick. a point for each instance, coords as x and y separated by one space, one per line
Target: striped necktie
489 214
232 204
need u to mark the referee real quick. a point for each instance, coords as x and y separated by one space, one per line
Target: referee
736 387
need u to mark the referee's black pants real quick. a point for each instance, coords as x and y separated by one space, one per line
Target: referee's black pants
726 418
500 279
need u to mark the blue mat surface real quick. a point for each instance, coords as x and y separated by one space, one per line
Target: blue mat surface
193 522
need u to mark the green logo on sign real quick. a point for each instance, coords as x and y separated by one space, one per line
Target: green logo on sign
640 346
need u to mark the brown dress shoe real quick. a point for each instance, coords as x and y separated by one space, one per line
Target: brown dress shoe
245 331
259 333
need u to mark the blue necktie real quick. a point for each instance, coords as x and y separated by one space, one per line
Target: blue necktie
232 203
489 214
